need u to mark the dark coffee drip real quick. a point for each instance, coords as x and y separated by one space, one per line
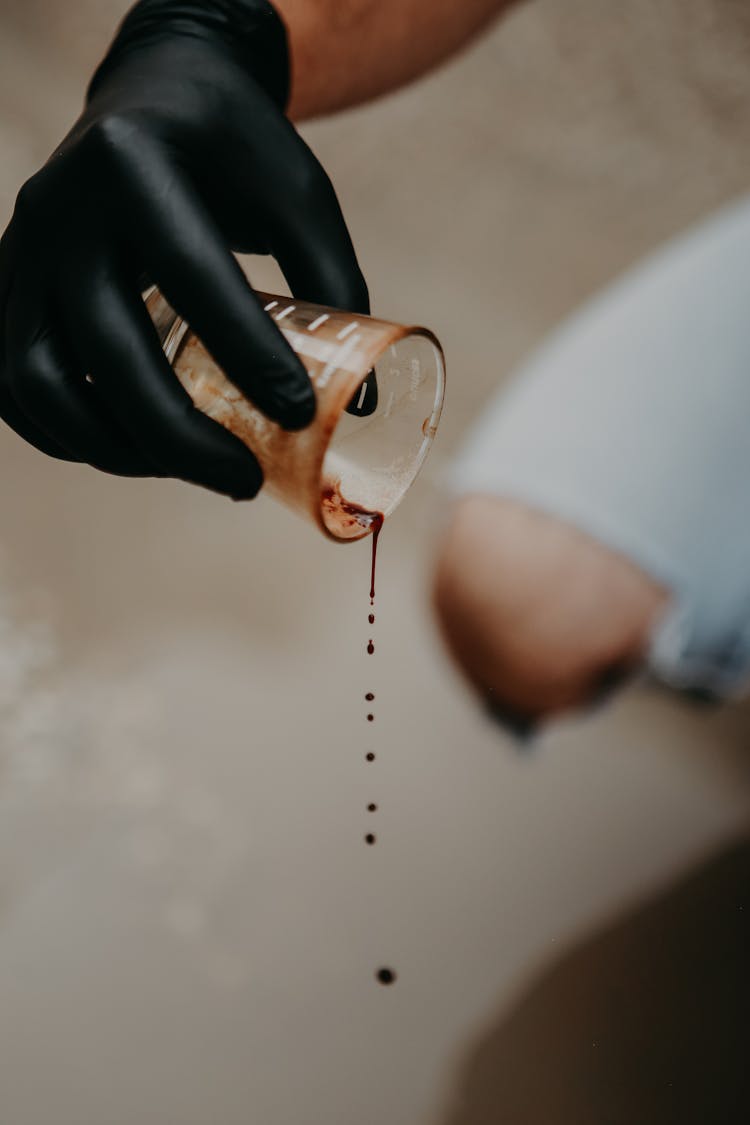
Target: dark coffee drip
377 526
334 504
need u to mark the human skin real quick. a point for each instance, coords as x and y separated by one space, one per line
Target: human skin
499 607
349 51
540 617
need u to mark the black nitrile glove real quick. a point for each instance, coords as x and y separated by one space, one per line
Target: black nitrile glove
182 154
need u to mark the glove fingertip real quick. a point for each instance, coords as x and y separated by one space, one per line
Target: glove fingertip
298 413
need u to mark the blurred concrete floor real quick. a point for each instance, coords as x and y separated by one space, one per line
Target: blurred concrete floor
189 918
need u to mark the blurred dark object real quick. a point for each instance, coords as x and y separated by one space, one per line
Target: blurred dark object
643 1024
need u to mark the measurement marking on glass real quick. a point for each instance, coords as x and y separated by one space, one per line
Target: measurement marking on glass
346 331
362 394
389 406
415 378
270 305
295 340
338 360
287 310
318 321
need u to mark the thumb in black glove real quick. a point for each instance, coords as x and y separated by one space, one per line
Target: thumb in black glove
182 154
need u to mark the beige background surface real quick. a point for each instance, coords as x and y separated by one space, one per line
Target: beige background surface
189 919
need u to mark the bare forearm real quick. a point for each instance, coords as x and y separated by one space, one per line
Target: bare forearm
347 51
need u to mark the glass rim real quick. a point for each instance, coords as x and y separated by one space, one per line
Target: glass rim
429 432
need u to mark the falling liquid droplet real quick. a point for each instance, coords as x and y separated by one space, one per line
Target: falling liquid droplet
385 976
377 525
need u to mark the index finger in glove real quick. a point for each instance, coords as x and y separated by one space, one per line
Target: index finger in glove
117 343
307 233
186 255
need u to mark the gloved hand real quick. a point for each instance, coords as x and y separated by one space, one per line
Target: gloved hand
182 154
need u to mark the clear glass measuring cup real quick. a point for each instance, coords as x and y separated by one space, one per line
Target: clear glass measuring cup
348 468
